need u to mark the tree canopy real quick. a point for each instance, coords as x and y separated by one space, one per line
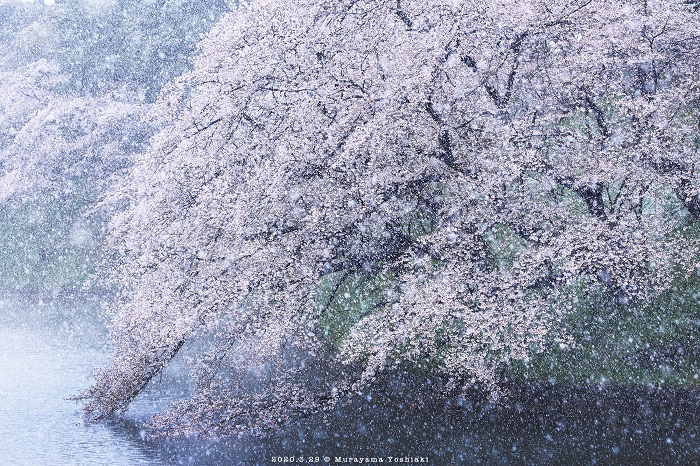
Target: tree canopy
418 184
141 44
78 79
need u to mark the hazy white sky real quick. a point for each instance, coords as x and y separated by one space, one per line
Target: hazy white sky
46 2
52 2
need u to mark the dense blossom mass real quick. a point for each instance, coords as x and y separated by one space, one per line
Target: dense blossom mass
55 142
78 79
425 185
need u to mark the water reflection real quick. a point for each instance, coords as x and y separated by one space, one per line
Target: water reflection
48 348
548 425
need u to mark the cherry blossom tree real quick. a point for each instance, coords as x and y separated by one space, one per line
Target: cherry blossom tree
98 45
57 143
363 186
58 153
77 79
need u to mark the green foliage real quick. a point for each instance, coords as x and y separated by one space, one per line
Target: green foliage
348 298
626 344
47 245
504 245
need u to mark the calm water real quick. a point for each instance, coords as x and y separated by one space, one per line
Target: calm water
49 347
